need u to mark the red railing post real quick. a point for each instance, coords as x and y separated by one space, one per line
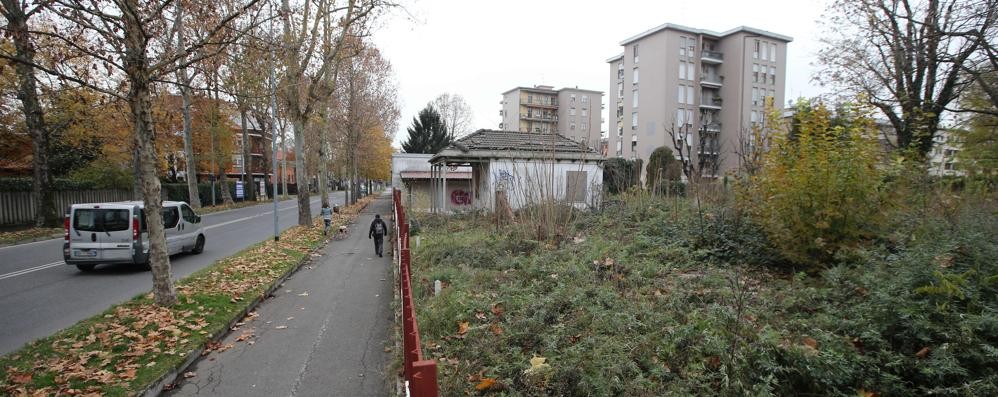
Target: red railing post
424 382
421 374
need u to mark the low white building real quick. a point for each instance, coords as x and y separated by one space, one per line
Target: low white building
527 168
411 175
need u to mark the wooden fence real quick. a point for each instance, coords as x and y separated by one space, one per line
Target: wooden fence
18 208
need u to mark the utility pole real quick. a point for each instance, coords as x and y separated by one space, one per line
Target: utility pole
273 119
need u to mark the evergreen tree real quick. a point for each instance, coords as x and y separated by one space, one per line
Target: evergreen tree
428 133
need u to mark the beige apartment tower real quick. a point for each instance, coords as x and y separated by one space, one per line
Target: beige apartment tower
679 78
572 112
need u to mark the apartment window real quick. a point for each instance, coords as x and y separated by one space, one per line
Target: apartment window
635 75
620 90
765 50
690 46
772 75
682 46
755 52
635 53
689 117
689 70
620 71
755 72
584 112
634 147
680 117
585 126
755 96
571 99
755 117
571 112
585 99
634 120
772 96
772 52
530 99
682 70
681 94
634 98
619 148
689 94
572 126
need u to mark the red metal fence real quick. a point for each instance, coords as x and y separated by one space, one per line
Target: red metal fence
420 375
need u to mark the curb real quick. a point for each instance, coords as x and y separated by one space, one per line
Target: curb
156 388
52 236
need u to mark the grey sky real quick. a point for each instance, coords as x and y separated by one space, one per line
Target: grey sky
479 49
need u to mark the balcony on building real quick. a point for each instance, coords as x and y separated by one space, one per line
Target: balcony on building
710 103
541 102
713 127
539 117
709 56
711 80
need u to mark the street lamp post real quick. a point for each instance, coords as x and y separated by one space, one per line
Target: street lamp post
273 122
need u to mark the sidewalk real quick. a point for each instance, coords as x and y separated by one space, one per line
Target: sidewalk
324 333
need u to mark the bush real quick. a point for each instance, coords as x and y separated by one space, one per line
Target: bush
18 184
821 189
619 174
664 172
103 174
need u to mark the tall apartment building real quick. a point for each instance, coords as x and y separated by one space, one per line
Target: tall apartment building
675 77
572 112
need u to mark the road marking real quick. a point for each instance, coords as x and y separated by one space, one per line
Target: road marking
31 269
251 217
208 227
61 263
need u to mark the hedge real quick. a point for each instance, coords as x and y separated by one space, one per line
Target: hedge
15 184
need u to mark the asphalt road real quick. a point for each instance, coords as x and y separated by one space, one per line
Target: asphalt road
40 295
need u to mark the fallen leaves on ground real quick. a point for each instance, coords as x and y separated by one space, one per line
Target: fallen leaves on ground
113 349
485 384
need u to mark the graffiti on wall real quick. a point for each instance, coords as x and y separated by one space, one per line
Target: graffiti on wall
504 180
460 197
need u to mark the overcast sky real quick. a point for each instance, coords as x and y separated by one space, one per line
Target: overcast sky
479 49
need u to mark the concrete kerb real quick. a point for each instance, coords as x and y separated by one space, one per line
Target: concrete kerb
156 388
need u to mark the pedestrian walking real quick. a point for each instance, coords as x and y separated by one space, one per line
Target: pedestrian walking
327 218
378 231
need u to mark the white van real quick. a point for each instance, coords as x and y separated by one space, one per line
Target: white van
116 233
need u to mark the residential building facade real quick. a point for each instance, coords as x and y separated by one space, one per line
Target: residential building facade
696 83
572 112
943 159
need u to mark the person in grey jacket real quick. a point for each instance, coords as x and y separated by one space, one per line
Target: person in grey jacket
378 231
327 218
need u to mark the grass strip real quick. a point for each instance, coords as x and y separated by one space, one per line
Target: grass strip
29 234
133 347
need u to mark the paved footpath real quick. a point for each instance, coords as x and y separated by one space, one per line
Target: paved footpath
324 333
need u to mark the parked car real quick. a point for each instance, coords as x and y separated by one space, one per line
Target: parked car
114 233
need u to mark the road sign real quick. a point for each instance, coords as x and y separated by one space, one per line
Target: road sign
239 190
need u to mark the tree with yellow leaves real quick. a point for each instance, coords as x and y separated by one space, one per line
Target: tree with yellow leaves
819 188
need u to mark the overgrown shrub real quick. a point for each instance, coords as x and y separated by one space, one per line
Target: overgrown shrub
619 174
820 190
664 172
640 305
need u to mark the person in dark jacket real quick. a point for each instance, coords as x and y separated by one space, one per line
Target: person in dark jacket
378 232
